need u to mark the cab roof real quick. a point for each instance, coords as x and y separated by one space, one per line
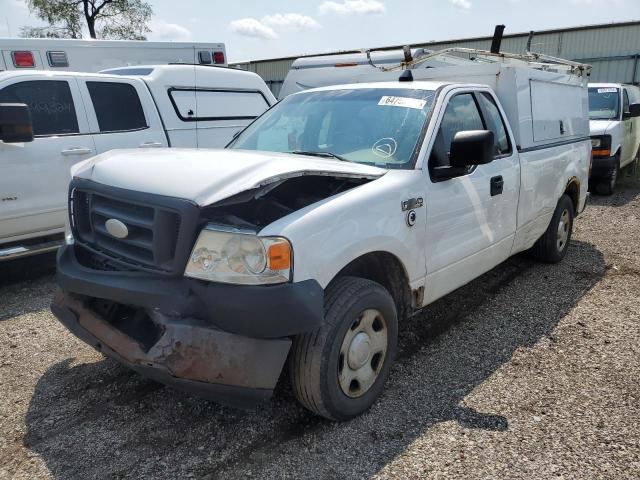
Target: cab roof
414 85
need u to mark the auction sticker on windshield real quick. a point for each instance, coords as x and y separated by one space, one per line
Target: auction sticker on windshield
403 102
607 90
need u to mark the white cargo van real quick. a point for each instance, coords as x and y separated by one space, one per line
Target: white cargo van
95 55
614 111
75 116
337 213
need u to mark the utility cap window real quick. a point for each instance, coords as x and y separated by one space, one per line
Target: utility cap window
57 59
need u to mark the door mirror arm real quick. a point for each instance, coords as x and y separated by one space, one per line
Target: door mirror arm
15 123
446 172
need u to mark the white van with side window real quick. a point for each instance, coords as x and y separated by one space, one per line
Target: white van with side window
614 109
75 116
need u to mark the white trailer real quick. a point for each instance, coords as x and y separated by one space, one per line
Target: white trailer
96 55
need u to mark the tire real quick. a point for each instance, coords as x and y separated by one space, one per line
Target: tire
607 185
633 167
552 246
320 369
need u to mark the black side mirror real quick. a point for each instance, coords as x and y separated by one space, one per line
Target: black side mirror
634 111
15 123
472 147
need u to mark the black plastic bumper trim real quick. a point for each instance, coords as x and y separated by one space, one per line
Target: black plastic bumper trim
261 311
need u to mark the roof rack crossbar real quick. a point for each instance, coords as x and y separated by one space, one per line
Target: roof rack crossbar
535 60
539 59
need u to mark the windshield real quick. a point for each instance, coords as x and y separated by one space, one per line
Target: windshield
374 126
604 103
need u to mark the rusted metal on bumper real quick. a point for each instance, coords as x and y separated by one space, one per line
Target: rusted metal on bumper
187 354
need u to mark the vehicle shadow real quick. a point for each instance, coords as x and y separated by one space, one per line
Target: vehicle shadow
38 271
627 189
101 420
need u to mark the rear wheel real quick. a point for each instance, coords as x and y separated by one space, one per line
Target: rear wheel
552 246
339 370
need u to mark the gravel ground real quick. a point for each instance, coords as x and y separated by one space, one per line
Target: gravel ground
531 371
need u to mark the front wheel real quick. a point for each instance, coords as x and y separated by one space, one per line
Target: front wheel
607 185
339 370
552 246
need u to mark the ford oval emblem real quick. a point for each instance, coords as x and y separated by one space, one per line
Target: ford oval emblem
116 228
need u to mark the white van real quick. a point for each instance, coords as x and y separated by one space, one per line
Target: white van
75 116
95 55
614 109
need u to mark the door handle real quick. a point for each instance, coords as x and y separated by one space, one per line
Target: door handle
497 185
150 145
77 151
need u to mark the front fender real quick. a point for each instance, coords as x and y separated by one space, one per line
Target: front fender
329 235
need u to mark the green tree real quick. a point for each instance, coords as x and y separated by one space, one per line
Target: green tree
104 19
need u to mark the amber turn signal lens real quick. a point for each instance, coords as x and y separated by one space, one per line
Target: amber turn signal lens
279 256
601 153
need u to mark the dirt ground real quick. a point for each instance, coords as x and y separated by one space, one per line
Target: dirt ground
530 371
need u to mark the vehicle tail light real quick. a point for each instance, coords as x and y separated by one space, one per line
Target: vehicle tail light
218 57
23 59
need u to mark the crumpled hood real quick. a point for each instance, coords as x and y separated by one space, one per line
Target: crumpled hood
207 176
600 127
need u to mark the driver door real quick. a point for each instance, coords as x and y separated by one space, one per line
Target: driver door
628 143
36 174
471 219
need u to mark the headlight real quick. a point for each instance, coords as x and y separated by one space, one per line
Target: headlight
601 146
241 258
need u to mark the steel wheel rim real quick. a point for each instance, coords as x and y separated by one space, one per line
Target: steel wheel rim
563 230
362 353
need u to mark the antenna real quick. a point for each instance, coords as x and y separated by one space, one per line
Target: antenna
497 39
529 40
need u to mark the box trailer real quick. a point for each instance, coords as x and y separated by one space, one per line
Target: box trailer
96 55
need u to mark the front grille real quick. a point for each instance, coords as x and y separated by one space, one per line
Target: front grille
155 225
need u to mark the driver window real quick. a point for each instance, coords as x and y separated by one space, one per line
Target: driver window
461 114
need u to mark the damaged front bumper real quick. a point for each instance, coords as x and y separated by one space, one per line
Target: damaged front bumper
172 330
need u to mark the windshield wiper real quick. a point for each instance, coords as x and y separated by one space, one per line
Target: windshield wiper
319 154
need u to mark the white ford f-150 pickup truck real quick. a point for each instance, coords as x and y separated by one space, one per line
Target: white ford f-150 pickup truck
614 109
75 116
336 214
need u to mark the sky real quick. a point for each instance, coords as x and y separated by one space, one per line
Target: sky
259 29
